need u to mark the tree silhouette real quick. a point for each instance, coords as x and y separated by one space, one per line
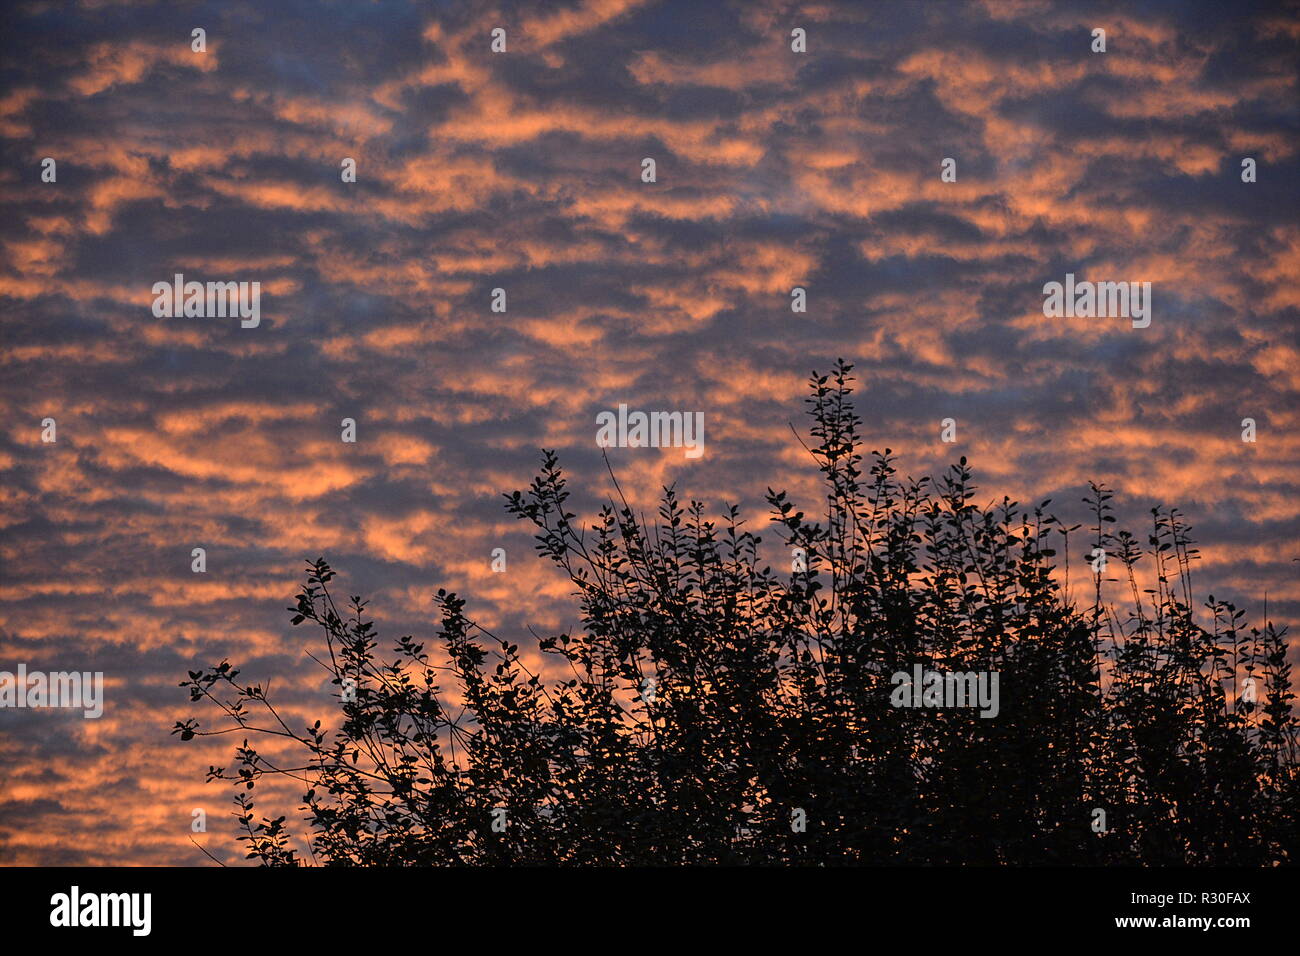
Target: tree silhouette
715 711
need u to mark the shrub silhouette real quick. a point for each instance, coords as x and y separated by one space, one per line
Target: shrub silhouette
710 703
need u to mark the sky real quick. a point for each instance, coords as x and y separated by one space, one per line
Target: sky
523 170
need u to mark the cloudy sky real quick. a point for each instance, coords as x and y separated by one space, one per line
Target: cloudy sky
522 170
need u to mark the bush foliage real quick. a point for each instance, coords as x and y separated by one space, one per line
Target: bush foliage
706 699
